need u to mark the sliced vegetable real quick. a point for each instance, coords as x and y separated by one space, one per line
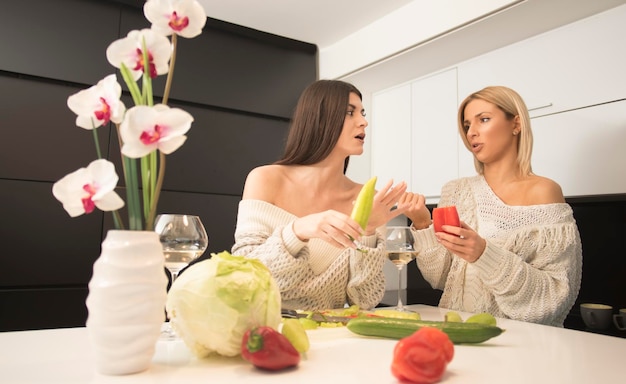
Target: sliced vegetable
295 333
399 328
423 356
268 349
397 314
445 216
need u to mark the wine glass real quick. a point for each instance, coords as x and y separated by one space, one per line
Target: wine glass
184 239
400 251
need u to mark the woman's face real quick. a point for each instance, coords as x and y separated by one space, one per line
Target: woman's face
352 135
490 134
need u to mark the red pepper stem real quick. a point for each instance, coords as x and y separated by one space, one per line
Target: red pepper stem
255 342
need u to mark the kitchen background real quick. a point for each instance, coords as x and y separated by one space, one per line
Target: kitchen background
240 85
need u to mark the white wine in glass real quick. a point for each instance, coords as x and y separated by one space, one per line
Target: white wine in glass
400 249
184 239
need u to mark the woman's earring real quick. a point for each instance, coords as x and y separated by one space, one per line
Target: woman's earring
515 133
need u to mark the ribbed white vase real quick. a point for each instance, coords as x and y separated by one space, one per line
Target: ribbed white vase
126 301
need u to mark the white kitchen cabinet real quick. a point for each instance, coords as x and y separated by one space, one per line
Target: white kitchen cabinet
577 65
414 133
391 135
574 81
434 133
583 150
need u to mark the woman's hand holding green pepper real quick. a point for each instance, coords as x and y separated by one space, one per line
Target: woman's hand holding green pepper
385 206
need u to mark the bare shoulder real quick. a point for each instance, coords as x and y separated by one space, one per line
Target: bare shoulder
542 190
262 182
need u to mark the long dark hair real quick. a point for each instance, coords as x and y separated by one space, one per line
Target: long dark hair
317 122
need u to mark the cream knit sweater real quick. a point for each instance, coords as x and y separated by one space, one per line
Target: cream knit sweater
531 267
311 275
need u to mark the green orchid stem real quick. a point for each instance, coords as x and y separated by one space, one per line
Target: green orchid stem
117 220
170 73
159 181
157 193
147 76
96 141
132 195
148 180
151 183
131 84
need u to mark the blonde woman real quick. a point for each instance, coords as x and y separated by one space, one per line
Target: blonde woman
517 253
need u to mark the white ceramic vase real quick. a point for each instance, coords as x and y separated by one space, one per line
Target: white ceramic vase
126 301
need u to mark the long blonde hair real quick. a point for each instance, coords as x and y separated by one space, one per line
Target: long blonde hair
512 104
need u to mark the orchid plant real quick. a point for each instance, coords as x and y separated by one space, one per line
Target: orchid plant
147 131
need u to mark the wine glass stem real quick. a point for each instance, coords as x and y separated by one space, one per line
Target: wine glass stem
400 306
174 276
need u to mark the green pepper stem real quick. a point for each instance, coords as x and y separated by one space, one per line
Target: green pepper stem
255 342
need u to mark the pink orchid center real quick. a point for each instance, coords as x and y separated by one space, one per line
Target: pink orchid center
104 113
139 65
178 23
88 204
151 137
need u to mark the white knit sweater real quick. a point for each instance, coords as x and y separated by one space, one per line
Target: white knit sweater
311 275
531 267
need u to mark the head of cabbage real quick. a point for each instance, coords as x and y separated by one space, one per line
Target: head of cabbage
215 301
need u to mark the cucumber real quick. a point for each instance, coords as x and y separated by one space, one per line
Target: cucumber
459 333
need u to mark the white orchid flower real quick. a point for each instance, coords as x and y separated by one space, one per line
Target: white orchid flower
146 129
99 104
87 188
185 18
129 51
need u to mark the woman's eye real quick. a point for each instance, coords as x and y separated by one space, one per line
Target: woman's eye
350 113
484 119
363 113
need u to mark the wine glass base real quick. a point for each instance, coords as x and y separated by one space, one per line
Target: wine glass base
167 333
400 309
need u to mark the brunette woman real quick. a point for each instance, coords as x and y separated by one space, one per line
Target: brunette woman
295 214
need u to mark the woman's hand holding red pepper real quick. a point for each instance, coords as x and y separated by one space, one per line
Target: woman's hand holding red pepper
423 356
463 241
266 348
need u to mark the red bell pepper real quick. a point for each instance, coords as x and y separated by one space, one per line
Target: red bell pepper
422 357
268 349
445 216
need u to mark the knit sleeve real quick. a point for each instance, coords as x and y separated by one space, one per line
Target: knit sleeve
366 285
542 285
433 259
265 233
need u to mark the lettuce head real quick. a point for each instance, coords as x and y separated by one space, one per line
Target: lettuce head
215 301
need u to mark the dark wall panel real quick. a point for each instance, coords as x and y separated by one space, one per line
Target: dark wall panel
41 244
40 140
239 84
602 225
221 149
234 71
43 308
58 39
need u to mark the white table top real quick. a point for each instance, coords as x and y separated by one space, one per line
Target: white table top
525 353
